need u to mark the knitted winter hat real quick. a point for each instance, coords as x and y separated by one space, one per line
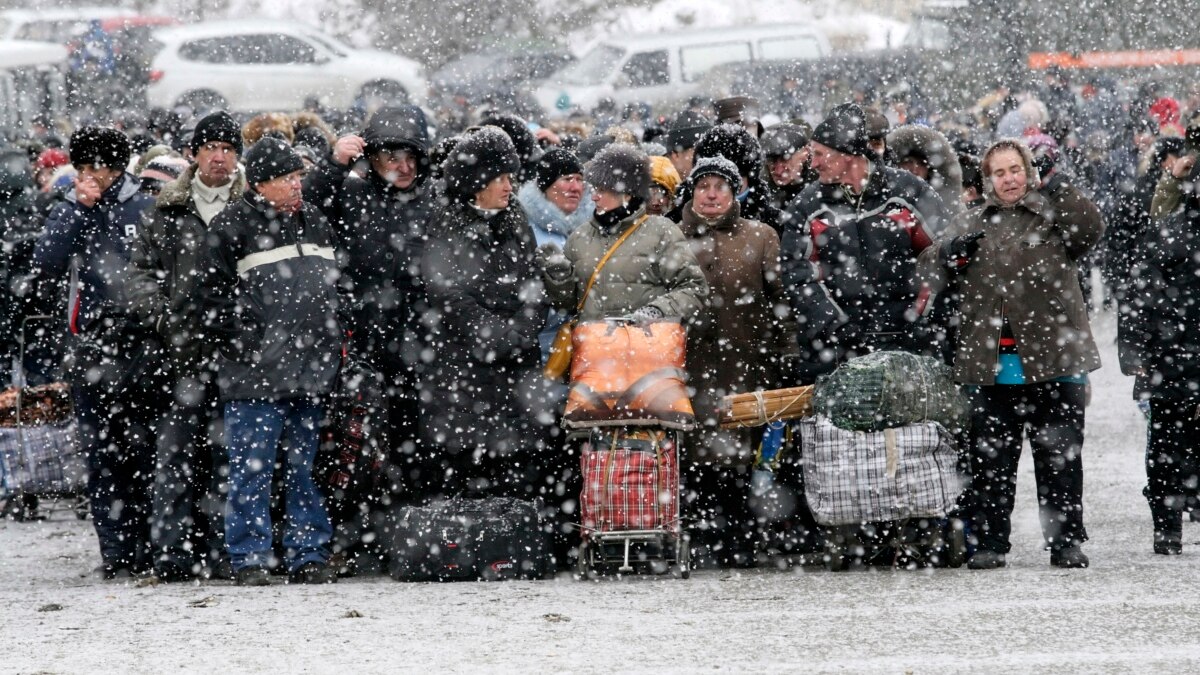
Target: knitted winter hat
100 146
716 166
621 168
734 143
844 130
555 164
481 156
269 159
217 126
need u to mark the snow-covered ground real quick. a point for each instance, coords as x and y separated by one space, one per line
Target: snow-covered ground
1131 612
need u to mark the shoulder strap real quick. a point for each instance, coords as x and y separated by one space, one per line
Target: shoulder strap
607 254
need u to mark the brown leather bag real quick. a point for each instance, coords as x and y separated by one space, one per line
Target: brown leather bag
626 374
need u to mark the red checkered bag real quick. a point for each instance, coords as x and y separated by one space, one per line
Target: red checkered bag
631 481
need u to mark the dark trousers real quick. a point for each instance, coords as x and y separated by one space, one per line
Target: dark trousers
716 500
117 433
1171 461
1051 416
191 480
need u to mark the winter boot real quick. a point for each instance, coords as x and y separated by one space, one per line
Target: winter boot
1068 557
314 573
1168 526
253 576
986 560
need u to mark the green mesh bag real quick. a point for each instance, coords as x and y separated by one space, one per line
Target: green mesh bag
884 390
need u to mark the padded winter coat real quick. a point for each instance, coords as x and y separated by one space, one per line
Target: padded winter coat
653 267
382 230
850 266
486 306
162 286
272 302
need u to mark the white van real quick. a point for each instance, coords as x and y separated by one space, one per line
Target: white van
662 68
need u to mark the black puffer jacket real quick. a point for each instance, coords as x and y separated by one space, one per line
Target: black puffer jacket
383 232
850 265
1158 339
271 301
482 386
161 286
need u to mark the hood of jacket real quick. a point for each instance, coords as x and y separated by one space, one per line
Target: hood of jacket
546 216
179 191
403 125
945 173
1032 177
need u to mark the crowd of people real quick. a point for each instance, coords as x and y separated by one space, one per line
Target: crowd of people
216 278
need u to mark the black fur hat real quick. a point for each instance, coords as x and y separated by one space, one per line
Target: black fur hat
100 146
622 168
528 150
735 143
481 156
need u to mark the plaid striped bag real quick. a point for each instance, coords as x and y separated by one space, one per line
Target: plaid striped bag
49 460
853 477
631 481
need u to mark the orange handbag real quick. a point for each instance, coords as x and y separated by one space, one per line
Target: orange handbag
626 373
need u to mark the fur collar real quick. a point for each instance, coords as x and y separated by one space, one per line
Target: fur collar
546 216
179 191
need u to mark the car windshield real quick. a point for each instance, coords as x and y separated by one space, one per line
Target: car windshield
593 67
328 43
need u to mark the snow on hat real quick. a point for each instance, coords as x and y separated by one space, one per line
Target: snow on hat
269 159
555 164
785 139
734 143
717 166
216 126
621 168
481 156
687 128
844 130
100 146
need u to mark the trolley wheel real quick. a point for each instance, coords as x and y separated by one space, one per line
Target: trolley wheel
582 567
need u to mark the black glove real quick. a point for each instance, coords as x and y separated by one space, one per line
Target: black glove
646 314
961 250
553 263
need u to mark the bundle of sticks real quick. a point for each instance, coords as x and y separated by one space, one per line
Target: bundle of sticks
756 408
45 404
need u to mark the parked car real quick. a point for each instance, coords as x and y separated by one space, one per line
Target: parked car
268 65
31 85
659 68
475 76
53 25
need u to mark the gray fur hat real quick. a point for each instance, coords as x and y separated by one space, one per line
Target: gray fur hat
622 168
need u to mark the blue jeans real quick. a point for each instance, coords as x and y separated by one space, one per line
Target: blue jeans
253 430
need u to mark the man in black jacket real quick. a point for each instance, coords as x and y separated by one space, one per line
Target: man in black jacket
187 527
115 362
381 220
850 247
271 302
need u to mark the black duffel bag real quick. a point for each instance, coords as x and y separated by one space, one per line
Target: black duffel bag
462 538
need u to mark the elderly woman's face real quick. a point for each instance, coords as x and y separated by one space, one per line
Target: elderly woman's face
496 194
1006 170
713 197
607 200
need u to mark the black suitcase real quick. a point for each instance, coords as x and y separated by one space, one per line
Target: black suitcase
461 538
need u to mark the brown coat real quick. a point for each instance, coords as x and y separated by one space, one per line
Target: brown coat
735 342
1026 267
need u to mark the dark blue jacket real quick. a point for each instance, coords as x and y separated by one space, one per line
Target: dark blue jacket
97 242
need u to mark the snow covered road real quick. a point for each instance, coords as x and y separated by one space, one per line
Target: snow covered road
1131 612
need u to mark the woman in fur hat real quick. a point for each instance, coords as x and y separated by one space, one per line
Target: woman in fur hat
482 392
